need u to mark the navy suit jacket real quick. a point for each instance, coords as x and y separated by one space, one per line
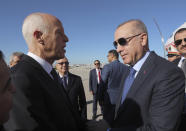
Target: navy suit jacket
93 82
155 99
111 77
182 126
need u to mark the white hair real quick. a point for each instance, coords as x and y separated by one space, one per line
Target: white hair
32 23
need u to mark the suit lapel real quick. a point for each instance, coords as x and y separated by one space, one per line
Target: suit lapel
70 82
121 93
53 87
143 73
176 61
95 74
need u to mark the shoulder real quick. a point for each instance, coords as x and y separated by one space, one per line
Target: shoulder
92 70
22 67
164 66
176 61
74 76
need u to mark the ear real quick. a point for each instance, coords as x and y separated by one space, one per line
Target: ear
144 39
38 36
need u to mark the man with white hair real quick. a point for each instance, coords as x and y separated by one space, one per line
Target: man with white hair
41 103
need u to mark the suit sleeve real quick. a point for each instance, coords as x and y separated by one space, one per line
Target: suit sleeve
82 101
90 81
105 74
104 81
28 113
166 103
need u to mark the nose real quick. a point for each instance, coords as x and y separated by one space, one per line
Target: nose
183 42
66 38
119 47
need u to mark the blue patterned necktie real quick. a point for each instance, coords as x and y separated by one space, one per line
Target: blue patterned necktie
128 82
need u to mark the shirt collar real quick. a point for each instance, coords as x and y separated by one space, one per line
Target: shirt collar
139 64
180 62
61 76
46 66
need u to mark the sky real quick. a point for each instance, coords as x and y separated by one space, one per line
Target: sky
90 24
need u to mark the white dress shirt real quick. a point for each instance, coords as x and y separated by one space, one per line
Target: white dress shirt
139 64
97 72
45 65
180 62
66 75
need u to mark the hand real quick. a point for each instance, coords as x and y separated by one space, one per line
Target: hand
101 125
91 92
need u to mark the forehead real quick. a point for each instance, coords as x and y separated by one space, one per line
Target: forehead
62 60
180 35
16 58
123 31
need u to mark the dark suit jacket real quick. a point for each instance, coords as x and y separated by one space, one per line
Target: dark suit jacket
40 104
76 94
93 82
110 87
176 61
182 126
111 77
155 99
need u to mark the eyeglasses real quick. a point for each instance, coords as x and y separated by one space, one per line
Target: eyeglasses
96 63
178 42
66 63
123 41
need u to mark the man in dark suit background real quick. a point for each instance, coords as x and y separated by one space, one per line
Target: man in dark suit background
180 43
111 76
153 91
94 85
6 91
73 86
40 103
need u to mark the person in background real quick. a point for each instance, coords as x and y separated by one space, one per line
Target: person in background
73 86
110 83
172 52
94 85
6 92
15 58
180 42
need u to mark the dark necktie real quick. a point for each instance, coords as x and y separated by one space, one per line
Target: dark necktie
128 82
64 81
54 75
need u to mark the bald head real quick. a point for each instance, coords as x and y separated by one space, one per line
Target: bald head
36 22
136 26
136 41
45 36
